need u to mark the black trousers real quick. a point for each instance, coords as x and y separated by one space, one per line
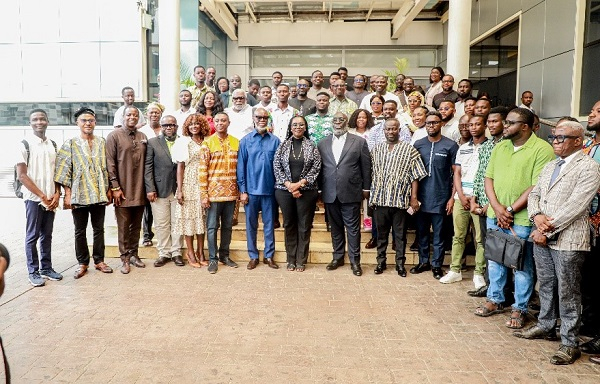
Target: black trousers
345 218
298 216
95 213
590 290
388 218
147 222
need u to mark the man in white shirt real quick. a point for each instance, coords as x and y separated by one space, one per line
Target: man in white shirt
185 100
380 83
240 115
128 95
282 113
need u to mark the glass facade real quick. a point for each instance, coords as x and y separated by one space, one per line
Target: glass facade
590 83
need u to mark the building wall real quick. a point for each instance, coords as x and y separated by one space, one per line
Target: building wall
63 50
547 48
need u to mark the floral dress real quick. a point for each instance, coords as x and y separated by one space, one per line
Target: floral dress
190 216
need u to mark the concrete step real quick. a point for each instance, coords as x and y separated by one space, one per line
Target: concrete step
318 219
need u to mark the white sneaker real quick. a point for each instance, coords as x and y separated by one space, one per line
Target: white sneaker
479 281
451 277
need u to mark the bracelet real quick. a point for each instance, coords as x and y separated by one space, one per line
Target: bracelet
115 189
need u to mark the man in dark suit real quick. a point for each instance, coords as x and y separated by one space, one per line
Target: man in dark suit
345 181
160 175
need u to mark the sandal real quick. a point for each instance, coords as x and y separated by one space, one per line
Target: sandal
192 261
291 266
516 320
488 309
201 259
300 268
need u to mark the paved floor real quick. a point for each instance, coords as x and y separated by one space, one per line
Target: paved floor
180 325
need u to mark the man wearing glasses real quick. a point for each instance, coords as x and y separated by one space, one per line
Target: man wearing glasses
81 170
256 183
448 93
511 174
359 92
559 205
345 181
125 157
160 177
240 115
302 102
435 193
340 103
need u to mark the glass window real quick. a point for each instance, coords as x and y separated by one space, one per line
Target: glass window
314 58
76 25
592 18
41 71
80 69
590 82
9 23
120 65
39 21
10 75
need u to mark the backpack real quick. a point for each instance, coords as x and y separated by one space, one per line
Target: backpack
16 182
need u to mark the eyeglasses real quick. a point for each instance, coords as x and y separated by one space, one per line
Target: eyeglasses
238 98
508 123
302 86
560 138
338 119
298 125
376 103
262 117
359 81
432 123
447 81
463 125
169 125
91 121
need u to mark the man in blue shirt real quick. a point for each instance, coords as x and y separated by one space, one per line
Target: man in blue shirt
256 182
435 193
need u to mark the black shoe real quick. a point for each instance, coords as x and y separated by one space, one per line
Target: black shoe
464 267
328 227
393 245
588 331
335 264
480 292
380 268
178 261
591 347
565 355
536 332
356 269
228 262
419 268
372 243
437 272
277 224
401 270
414 246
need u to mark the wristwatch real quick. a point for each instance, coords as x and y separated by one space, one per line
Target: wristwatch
509 209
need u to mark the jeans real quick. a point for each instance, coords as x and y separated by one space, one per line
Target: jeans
424 221
266 204
39 226
219 214
523 279
95 213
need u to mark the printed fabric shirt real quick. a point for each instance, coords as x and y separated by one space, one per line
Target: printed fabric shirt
218 168
590 148
319 127
393 173
485 152
83 169
346 106
468 160
197 93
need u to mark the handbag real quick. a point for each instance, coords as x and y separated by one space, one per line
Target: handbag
504 248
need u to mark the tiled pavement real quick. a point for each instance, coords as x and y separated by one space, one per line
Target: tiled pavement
180 325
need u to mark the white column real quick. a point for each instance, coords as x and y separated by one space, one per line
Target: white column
168 61
459 30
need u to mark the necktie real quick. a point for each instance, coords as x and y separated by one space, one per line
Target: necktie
556 172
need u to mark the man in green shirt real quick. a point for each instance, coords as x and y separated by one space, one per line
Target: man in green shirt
511 174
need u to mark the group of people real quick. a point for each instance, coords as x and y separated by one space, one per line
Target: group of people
440 160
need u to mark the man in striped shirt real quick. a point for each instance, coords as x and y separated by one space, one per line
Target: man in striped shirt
397 168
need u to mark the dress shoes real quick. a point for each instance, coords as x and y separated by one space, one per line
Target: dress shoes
595 359
393 245
161 261
137 262
271 263
420 268
372 243
178 261
80 271
401 270
276 224
356 269
438 272
591 347
565 355
335 264
414 247
103 267
234 222
125 268
536 332
380 268
253 263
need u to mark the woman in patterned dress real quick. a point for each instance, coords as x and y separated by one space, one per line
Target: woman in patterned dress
190 214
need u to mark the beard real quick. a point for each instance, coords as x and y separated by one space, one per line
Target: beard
261 130
339 131
594 127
